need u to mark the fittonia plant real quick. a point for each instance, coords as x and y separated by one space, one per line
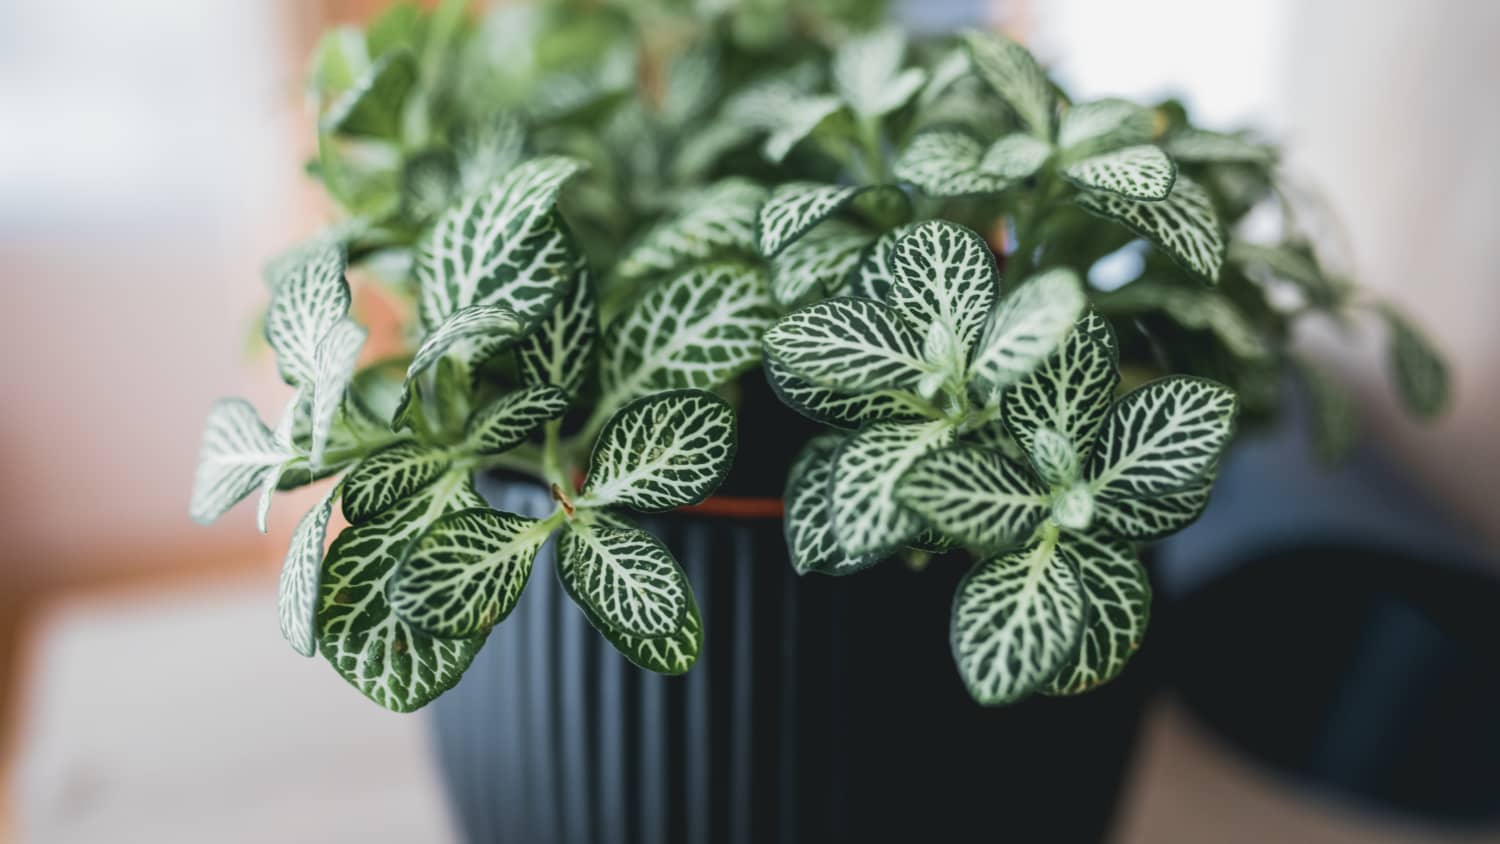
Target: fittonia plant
594 224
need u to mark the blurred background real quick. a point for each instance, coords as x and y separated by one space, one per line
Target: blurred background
150 162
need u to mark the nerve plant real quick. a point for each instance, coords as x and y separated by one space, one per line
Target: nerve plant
595 223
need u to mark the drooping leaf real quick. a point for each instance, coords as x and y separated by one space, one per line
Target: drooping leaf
373 107
945 274
841 410
867 72
1154 517
1290 262
505 246
1028 326
1141 172
1070 392
390 475
465 572
307 301
1016 156
794 208
699 330
797 119
1334 419
867 519
334 371
1119 607
1184 225
1191 307
1202 146
1419 372
1013 74
848 344
974 495
560 351
237 454
1017 619
297 588
808 524
475 334
718 223
294 465
818 262
1100 125
625 578
944 163
507 421
662 451
389 661
1162 437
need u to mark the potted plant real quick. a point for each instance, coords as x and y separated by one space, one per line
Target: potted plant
643 250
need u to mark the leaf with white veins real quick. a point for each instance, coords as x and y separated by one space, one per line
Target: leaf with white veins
560 351
237 454
1119 608
1014 74
867 519
945 274
507 421
974 495
1028 326
1155 517
1070 392
849 344
808 524
388 476
1184 225
297 588
625 578
662 451
1162 437
307 301
944 163
718 222
335 358
1140 172
818 262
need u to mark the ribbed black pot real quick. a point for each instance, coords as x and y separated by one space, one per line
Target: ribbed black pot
821 710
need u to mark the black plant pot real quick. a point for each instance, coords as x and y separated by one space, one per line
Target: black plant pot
822 709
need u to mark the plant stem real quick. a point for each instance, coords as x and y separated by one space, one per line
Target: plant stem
552 468
871 156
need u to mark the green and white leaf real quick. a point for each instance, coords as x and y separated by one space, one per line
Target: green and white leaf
1016 156
1191 307
1027 327
974 495
867 519
793 209
1109 123
808 524
388 660
945 275
1419 372
374 106
662 451
842 410
1202 146
1053 455
560 352
307 301
505 246
293 466
473 334
871 277
1118 595
1013 73
1184 225
507 421
944 163
625 578
1155 517
1017 619
1070 392
818 262
1162 437
1290 262
394 473
1073 507
719 222
297 588
334 372
850 345
429 182
237 455
465 573
867 72
699 330
1141 172
797 119
487 149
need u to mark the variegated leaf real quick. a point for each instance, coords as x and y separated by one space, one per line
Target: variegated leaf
871 278
1191 307
797 119
625 578
1012 72
429 182
237 455
717 223
794 208
1419 372
700 330
818 262
503 247
1290 262
507 421
1202 146
1110 123
944 163
475 334
307 301
850 345
945 274
1162 437
1016 156
1053 455
974 495
334 372
1017 619
1070 392
487 149
1027 327
1184 225
388 476
1141 172
388 660
867 72
808 524
1119 607
841 410
1073 507
373 107
464 574
662 451
297 588
560 351
1155 517
866 516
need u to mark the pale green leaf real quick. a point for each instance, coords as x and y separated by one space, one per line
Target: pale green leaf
867 72
1054 456
944 274
662 451
1119 607
1028 326
1155 517
1074 507
841 410
717 223
1191 307
1184 225
1290 262
1014 74
486 149
333 373
974 495
237 455
1141 172
507 421
1334 417
850 345
1016 156
1202 146
297 588
373 106
625 578
1110 123
560 351
388 476
1070 392
306 303
429 181
808 523
797 119
944 163
1017 619
1419 372
1162 437
818 262
866 516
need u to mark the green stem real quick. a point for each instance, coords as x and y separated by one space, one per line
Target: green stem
871 156
552 467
